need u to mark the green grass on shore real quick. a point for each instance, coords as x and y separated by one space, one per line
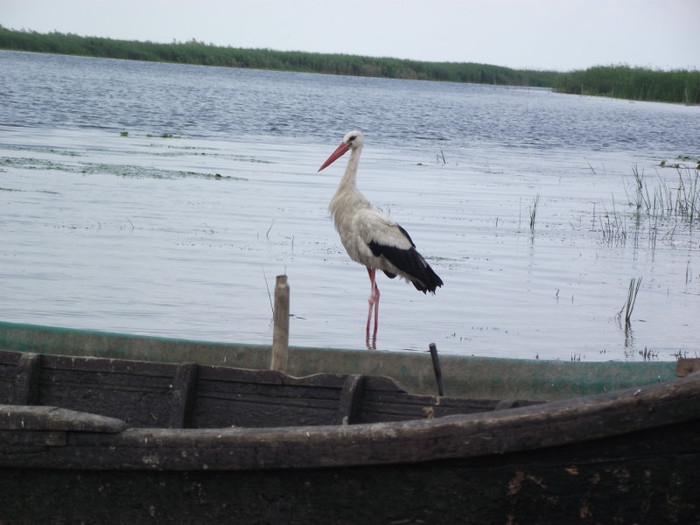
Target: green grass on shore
632 83
615 81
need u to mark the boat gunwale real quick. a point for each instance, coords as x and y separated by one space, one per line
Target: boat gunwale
450 437
473 376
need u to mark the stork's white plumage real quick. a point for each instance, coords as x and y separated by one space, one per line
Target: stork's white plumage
370 237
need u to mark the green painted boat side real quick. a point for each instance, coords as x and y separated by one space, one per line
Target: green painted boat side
477 377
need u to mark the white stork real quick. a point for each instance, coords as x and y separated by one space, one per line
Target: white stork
370 237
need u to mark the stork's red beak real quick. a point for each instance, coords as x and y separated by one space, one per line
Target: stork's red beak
335 156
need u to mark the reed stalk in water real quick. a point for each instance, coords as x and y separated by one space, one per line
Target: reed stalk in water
628 307
533 213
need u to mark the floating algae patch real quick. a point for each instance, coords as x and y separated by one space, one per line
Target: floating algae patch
240 158
182 151
42 149
25 191
187 151
130 170
122 170
32 163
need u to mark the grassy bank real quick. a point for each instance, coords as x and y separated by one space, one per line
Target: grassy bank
193 52
623 82
632 83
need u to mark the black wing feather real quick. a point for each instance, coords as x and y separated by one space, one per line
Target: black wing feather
410 262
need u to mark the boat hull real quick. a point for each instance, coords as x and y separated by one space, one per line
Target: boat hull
104 440
646 478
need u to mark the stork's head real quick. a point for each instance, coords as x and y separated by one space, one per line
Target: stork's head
351 141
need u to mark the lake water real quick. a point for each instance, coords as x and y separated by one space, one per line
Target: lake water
182 235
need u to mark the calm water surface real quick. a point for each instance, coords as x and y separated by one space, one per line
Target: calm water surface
183 236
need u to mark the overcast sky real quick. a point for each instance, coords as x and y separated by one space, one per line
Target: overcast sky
544 34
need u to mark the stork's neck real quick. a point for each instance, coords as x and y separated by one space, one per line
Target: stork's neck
349 180
347 197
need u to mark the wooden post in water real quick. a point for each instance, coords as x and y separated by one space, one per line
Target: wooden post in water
280 334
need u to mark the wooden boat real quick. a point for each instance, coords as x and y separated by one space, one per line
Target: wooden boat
105 440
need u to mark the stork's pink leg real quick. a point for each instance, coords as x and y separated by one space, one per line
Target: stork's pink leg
376 311
373 304
371 272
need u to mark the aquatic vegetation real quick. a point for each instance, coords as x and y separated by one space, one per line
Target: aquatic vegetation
680 203
632 83
657 207
533 212
613 228
122 170
440 159
628 307
41 150
31 163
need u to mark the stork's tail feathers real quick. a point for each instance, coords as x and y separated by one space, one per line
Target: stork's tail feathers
411 265
428 281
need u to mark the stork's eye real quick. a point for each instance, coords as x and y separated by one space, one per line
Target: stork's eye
352 138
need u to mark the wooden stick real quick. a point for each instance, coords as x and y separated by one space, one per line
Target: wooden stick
280 334
436 368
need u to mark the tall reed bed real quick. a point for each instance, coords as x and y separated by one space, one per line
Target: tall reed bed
658 205
680 202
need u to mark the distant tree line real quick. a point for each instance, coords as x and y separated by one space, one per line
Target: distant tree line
623 82
194 52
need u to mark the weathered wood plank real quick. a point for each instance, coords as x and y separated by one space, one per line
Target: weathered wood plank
506 404
670 412
19 417
247 398
138 393
20 439
142 394
389 406
506 489
184 395
27 380
8 375
228 397
349 407
223 389
263 411
135 400
517 490
271 377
